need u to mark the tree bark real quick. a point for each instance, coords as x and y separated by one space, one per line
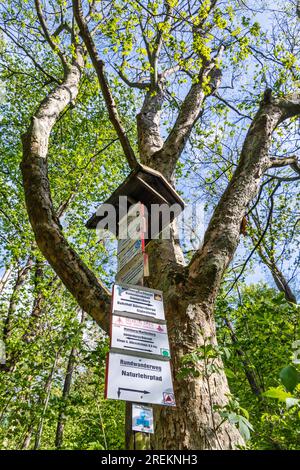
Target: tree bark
79 280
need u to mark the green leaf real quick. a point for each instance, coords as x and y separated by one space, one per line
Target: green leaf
277 393
244 428
229 373
290 377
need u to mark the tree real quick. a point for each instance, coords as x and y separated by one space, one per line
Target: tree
185 41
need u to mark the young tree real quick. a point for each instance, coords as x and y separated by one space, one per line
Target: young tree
154 48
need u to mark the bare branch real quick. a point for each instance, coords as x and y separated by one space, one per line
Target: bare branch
140 84
158 45
258 242
28 54
267 258
47 34
222 235
232 107
278 162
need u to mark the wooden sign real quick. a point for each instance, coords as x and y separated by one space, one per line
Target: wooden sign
132 249
135 271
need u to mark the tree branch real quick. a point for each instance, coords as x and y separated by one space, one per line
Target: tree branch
258 242
31 57
232 107
268 259
141 85
278 162
77 277
222 235
158 45
47 35
108 98
188 115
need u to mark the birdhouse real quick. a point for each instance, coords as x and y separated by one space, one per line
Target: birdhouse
152 190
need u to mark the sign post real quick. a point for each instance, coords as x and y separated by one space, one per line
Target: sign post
138 365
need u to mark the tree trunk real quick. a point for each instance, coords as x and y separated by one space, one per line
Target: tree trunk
5 278
278 276
27 438
250 374
47 391
193 424
66 390
282 284
13 302
37 307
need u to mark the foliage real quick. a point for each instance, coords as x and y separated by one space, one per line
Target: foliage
41 323
265 326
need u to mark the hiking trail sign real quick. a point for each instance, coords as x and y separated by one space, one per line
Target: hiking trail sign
136 247
139 379
138 366
138 302
130 335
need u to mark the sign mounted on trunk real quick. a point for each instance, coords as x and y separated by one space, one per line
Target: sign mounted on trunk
141 336
139 302
142 418
138 379
135 271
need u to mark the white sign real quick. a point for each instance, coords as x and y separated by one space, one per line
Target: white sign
141 336
138 301
138 379
129 252
142 418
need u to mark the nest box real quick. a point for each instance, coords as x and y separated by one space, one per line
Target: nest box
147 186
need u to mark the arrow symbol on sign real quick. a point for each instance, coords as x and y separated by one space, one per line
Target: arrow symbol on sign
137 349
131 390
